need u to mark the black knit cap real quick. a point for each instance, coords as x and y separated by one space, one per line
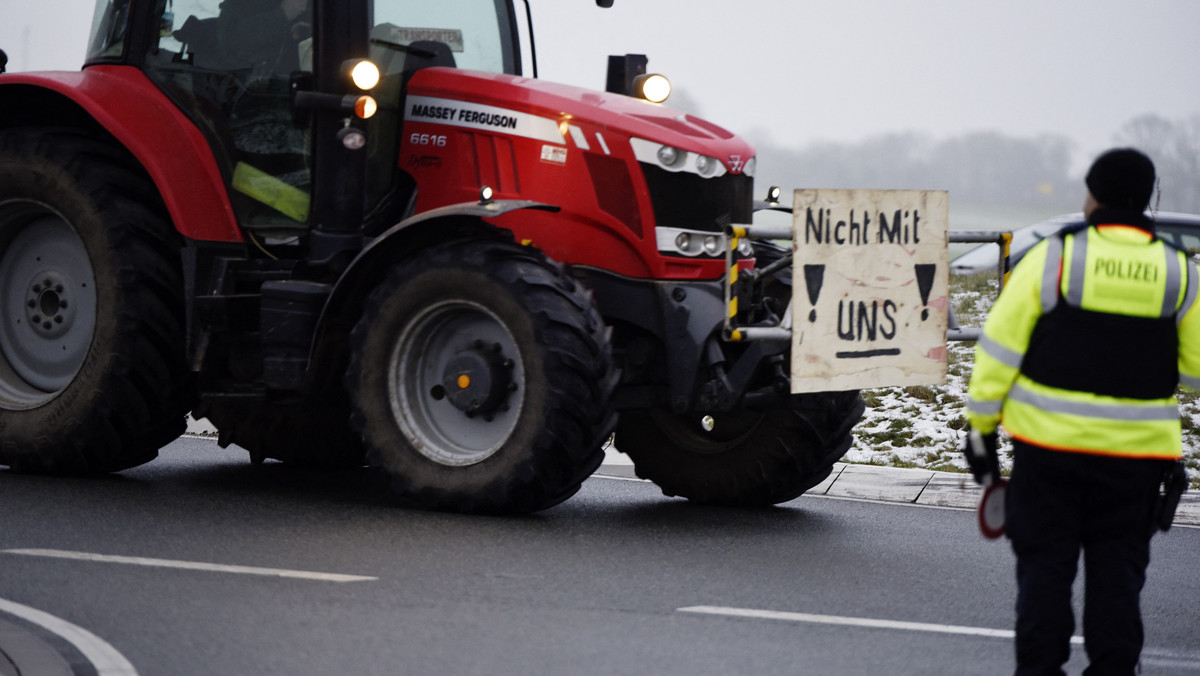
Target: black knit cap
1122 177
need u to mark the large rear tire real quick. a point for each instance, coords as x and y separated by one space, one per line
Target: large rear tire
742 458
93 374
481 377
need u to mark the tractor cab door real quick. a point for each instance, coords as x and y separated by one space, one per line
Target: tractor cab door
228 65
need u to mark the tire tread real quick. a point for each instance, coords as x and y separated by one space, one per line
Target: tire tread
141 393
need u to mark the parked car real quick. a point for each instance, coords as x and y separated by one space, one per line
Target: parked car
1179 230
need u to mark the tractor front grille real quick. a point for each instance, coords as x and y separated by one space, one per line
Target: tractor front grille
687 201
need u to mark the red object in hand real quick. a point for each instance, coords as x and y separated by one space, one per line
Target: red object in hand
991 510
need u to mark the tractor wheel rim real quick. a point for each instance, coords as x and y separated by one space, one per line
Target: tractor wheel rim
48 301
430 398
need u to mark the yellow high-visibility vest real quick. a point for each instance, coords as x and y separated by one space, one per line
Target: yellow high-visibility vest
1085 346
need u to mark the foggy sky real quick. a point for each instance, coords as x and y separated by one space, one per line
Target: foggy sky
798 72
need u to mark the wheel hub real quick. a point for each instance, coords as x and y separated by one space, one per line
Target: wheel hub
48 304
478 380
48 310
455 381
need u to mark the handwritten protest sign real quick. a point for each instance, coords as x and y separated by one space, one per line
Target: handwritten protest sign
870 289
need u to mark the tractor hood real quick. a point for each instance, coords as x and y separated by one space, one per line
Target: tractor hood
555 112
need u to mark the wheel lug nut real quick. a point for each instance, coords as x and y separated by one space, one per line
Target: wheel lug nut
32 303
37 288
36 319
507 363
478 344
58 288
58 319
46 325
496 347
62 303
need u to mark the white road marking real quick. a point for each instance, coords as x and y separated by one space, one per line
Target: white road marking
613 477
856 622
104 657
189 565
1187 665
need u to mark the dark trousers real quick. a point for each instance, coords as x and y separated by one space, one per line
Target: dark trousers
1057 504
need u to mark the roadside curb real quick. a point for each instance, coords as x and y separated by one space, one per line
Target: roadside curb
913 486
23 652
36 643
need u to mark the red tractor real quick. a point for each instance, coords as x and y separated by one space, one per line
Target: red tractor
356 232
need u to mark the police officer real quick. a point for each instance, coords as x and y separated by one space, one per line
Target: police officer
1080 358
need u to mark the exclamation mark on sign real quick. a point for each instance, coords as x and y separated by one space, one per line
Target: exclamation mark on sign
814 276
925 284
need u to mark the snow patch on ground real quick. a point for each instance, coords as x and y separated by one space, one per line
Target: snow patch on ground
921 426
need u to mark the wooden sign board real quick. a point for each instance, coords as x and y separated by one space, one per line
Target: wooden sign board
870 289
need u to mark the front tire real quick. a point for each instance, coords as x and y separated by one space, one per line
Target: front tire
93 375
741 458
481 377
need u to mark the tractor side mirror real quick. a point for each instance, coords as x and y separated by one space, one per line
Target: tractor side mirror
3 60
604 3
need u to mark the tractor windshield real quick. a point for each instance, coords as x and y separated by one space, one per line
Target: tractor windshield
479 34
110 23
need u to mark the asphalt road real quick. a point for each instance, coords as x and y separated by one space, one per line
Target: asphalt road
617 580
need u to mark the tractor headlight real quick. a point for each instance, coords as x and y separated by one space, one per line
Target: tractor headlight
751 165
690 243
363 73
745 248
653 87
669 156
674 159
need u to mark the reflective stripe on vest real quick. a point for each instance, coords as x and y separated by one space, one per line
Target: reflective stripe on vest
989 407
1190 299
995 350
1050 274
1075 276
1174 279
1081 422
1129 411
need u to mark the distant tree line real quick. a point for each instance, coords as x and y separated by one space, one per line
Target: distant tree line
1174 145
988 168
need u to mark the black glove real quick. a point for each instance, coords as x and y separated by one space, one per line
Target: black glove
980 451
1174 483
